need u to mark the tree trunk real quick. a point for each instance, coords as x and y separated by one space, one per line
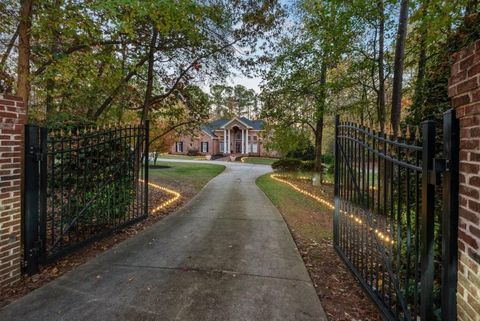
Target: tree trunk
23 67
319 125
422 61
54 44
398 67
155 159
318 145
150 77
381 65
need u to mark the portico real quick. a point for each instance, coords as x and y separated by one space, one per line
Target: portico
235 137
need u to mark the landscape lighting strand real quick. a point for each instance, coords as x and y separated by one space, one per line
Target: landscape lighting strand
317 198
382 236
175 196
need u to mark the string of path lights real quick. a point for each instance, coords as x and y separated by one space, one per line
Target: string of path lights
382 236
298 189
175 196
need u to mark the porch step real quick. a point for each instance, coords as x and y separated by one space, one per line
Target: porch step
226 158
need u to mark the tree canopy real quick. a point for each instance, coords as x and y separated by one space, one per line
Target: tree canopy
382 62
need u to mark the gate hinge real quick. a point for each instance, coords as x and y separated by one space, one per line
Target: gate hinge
435 174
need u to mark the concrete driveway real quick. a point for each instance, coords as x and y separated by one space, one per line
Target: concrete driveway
227 255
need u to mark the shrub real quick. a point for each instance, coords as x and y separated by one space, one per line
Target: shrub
305 154
287 164
307 166
328 159
192 152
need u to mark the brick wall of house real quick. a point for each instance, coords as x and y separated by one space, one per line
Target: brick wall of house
464 90
194 142
12 119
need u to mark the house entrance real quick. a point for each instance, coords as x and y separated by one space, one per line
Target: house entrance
238 147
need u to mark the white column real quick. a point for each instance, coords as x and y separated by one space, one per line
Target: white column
243 141
246 141
224 141
228 142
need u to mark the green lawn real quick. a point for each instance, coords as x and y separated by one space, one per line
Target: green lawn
307 217
189 175
259 160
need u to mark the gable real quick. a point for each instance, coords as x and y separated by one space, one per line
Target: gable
236 122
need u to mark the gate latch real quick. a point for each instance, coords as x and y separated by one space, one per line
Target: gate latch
36 152
435 174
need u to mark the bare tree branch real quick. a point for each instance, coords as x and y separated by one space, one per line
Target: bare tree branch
9 49
171 128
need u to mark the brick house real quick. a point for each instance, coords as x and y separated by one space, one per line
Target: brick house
237 136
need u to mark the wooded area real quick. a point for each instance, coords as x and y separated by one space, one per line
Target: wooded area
97 62
383 62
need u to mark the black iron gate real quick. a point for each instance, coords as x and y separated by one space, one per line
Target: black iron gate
392 226
80 185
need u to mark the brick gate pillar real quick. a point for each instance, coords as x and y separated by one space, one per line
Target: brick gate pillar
464 90
12 120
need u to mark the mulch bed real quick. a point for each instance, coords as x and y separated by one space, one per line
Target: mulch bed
340 293
69 262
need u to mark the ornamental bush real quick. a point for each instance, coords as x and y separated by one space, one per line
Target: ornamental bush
192 152
306 154
287 164
307 166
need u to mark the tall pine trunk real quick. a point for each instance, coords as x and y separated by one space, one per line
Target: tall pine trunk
398 67
422 59
23 67
381 65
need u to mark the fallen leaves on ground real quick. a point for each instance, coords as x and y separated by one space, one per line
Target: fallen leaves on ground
340 293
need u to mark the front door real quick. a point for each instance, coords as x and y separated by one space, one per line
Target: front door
238 147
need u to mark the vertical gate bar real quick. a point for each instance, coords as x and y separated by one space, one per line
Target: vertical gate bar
42 229
31 199
352 209
427 222
147 142
353 167
450 216
386 164
336 183
417 231
347 149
